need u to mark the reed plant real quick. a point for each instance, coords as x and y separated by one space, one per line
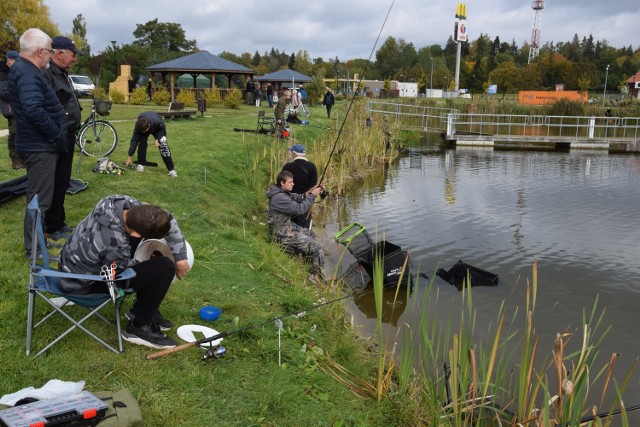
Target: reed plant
463 380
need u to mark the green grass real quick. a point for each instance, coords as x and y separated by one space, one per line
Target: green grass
236 268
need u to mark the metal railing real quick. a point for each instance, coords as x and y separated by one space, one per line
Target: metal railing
511 127
413 116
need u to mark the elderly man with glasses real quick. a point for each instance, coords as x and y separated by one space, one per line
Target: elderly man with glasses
41 123
64 56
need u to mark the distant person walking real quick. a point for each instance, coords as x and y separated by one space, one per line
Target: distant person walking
258 95
270 95
328 102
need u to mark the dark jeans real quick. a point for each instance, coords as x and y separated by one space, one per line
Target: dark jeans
40 168
329 107
56 216
152 282
11 144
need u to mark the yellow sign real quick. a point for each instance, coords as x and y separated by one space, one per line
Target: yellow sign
461 11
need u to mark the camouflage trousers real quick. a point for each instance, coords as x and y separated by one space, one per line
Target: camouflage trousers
303 242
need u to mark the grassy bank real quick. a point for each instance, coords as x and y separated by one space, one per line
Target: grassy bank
236 268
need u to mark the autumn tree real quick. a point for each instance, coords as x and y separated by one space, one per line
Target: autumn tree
19 16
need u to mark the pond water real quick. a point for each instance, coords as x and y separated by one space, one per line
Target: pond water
576 213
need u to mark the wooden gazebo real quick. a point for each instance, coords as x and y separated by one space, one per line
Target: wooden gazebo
195 64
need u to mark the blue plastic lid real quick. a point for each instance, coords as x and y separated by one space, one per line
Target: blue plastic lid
210 312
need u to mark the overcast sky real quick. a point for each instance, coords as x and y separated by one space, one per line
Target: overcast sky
346 29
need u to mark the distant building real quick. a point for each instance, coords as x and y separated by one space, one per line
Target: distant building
633 84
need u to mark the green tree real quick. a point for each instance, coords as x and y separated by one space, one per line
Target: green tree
166 36
19 16
79 37
255 61
507 77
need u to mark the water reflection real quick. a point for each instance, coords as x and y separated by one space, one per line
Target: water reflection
576 213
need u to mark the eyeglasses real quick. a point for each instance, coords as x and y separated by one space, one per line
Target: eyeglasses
51 51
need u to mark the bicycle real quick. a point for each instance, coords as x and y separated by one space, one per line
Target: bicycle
302 110
96 137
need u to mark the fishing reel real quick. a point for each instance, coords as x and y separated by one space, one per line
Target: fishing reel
215 352
324 194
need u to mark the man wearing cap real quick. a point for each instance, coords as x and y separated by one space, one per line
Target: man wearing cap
64 55
7 111
305 177
41 123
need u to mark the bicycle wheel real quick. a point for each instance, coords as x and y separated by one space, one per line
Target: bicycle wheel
304 110
97 139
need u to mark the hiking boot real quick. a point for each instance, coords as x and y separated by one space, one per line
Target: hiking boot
173 174
158 319
148 335
58 235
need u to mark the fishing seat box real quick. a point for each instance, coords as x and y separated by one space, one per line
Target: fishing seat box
360 244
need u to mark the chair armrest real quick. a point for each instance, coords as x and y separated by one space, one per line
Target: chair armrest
127 274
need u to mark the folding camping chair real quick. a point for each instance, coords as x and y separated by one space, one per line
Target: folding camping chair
44 282
265 124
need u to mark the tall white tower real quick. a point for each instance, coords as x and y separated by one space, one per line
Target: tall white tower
538 5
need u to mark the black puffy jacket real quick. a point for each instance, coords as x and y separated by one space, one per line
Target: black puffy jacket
41 123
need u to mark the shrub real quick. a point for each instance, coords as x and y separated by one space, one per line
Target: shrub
564 107
161 96
187 97
138 96
116 96
100 93
233 99
212 96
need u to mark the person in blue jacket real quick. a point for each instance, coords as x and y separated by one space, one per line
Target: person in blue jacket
150 123
41 123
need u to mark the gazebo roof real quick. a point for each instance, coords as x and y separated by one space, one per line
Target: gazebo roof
285 75
201 62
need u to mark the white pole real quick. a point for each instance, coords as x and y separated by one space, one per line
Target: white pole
604 94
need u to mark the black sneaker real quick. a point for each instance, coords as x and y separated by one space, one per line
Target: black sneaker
149 336
158 319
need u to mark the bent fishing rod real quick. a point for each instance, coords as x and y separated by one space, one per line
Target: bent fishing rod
210 339
346 115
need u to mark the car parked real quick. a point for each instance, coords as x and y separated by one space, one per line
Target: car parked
83 85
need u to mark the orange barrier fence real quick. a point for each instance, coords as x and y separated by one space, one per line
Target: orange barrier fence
537 97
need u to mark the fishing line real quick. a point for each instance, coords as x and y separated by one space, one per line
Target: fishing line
298 313
335 143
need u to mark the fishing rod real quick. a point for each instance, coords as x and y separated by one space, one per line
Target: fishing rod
205 340
604 414
366 67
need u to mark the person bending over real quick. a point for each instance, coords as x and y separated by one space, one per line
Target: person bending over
111 233
283 204
150 123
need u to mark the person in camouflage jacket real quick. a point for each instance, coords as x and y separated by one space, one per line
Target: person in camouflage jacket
111 233
283 204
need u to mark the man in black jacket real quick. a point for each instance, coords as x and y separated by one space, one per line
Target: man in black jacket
7 111
63 57
305 177
41 123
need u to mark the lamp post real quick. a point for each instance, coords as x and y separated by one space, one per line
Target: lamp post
114 43
604 93
431 78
